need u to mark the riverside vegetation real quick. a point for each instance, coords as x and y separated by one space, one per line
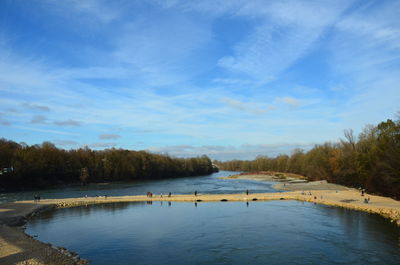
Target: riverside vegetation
44 165
371 161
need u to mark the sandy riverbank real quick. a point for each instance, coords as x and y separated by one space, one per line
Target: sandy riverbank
267 176
309 186
291 182
18 248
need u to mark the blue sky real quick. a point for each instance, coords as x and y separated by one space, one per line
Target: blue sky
229 79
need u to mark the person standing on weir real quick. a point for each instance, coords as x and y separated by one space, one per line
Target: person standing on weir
195 193
247 192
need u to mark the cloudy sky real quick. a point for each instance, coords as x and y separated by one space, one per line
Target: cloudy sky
229 79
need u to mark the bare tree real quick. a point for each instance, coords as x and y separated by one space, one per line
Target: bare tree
349 135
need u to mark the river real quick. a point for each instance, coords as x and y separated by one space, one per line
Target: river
274 232
202 184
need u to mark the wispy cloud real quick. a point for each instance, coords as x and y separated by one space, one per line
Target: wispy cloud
233 81
100 10
4 122
68 123
45 131
292 102
290 30
365 57
247 107
107 136
39 119
35 106
142 47
219 152
102 145
65 143
213 73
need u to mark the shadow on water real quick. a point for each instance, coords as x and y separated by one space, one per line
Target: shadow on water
84 211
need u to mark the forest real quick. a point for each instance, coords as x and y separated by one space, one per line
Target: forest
45 165
370 161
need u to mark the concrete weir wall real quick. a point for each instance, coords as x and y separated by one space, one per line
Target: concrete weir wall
350 199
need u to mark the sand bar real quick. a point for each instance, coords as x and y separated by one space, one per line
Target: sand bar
18 248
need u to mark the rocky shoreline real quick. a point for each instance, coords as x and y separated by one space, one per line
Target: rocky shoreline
17 247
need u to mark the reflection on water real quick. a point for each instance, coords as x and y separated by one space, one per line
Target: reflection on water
203 184
276 232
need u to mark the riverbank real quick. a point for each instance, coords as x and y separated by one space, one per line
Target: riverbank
268 176
18 248
312 185
289 181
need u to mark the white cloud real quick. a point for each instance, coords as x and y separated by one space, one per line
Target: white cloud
165 52
290 30
146 81
233 81
365 56
249 107
292 102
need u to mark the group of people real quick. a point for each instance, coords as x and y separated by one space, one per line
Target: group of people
36 198
362 192
150 194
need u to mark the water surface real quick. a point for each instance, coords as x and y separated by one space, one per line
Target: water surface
203 184
275 232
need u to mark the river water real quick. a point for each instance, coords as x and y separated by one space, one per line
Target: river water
202 184
274 232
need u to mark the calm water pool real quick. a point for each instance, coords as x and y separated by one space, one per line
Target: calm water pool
203 184
275 232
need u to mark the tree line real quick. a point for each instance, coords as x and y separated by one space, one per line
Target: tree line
44 165
370 161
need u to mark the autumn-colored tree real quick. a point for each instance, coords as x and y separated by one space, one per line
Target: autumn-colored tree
371 160
45 165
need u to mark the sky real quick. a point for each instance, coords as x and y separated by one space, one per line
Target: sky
231 79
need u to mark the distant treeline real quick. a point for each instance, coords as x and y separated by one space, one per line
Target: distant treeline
371 161
45 165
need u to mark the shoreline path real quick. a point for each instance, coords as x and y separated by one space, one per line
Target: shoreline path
18 248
